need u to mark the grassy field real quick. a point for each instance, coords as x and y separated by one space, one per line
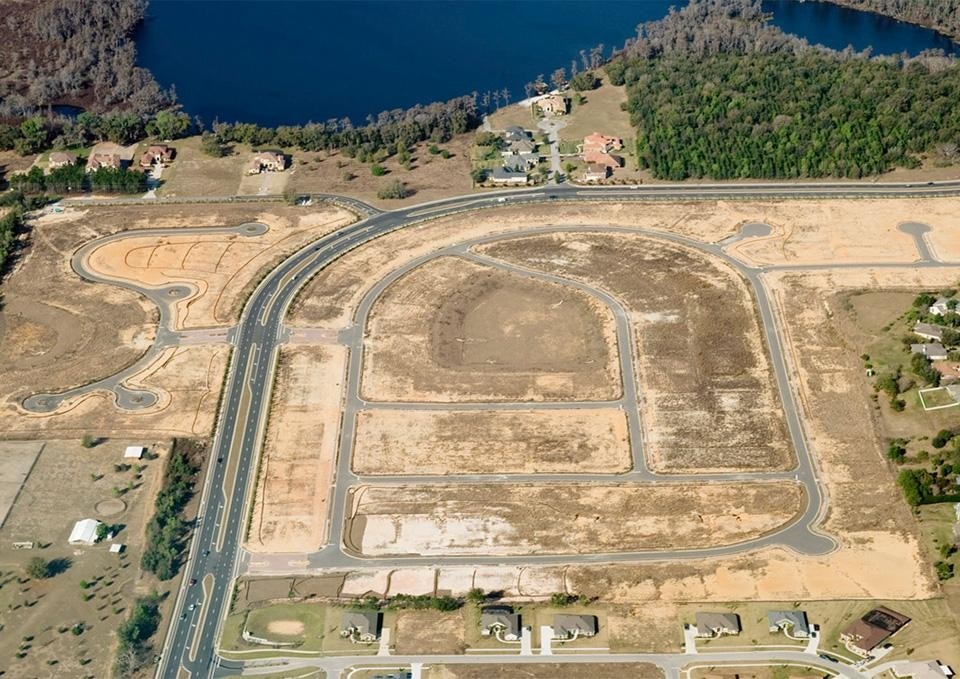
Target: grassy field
194 173
939 398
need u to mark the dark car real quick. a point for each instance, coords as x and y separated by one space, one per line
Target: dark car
193 581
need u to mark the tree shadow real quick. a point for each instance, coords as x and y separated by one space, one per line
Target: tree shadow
57 566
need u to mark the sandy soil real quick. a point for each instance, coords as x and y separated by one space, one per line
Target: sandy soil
188 380
291 500
527 441
329 299
816 232
562 518
16 461
59 491
708 392
218 267
286 628
452 330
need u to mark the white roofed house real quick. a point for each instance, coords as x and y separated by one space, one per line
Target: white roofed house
504 175
942 306
134 452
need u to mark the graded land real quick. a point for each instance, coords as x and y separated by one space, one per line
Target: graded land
296 470
59 331
562 518
545 671
709 398
67 483
452 330
493 442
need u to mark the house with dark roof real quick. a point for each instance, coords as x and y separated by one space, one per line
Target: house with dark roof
934 351
361 626
500 622
793 623
874 628
717 624
566 626
503 175
929 331
516 133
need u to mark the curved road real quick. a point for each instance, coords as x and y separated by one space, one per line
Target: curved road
213 561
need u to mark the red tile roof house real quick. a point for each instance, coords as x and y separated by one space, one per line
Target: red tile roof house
271 161
596 149
158 154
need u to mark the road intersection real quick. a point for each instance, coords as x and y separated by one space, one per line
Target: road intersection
215 553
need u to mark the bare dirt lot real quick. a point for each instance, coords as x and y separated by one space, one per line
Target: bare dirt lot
16 461
429 632
219 267
709 397
291 501
562 518
476 442
68 483
546 671
454 330
57 331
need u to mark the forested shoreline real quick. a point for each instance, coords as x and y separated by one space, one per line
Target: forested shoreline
715 91
942 16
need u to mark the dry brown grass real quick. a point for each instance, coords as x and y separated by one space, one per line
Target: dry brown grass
472 442
454 330
545 671
563 518
709 397
194 173
430 176
429 633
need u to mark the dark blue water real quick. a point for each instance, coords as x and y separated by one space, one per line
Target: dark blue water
281 62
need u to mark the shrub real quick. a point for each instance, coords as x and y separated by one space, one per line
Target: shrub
395 190
942 438
378 170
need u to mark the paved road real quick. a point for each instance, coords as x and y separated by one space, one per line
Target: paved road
214 552
671 664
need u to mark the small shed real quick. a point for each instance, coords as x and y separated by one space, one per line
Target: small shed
84 532
116 548
134 452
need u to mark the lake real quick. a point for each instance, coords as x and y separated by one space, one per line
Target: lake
287 62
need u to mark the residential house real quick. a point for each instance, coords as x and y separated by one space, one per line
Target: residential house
574 626
502 175
157 154
518 146
61 159
878 625
595 172
521 162
269 161
922 669
516 133
929 331
84 532
602 158
793 623
717 624
600 142
360 625
942 306
499 621
552 105
934 351
98 160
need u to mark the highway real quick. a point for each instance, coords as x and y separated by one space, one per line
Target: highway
215 549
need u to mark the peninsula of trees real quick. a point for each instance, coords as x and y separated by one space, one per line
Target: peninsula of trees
715 91
940 15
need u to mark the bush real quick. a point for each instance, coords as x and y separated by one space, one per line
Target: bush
896 452
378 170
39 568
211 146
395 190
915 484
944 570
585 80
942 438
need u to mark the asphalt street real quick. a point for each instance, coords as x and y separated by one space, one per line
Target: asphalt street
214 553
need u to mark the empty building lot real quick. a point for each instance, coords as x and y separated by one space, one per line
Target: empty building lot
709 401
452 330
491 441
564 518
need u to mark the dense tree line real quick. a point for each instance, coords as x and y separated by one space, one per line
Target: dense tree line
383 135
786 114
167 530
74 179
941 15
57 51
134 633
